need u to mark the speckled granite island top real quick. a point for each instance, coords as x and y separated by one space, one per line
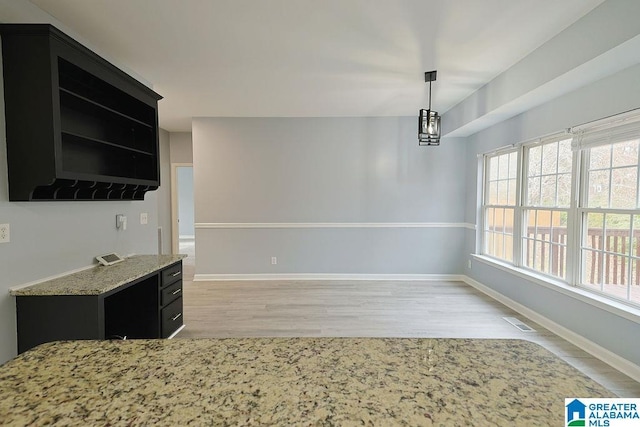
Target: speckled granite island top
290 381
100 279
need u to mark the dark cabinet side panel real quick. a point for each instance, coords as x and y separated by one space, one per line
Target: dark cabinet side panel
51 318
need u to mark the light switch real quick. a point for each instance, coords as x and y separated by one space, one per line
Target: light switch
121 222
144 218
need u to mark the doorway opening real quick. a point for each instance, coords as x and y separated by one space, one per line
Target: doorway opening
183 229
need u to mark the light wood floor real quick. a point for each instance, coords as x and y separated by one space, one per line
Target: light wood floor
369 309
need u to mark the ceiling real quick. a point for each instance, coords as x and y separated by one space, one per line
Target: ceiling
303 58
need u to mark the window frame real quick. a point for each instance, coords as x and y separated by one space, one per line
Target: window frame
582 212
526 207
486 206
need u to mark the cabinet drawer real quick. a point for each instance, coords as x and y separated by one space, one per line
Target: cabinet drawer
171 318
171 292
172 274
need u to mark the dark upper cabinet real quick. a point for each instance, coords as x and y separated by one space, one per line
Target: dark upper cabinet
78 128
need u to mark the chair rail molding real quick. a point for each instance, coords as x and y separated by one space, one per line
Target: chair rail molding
214 225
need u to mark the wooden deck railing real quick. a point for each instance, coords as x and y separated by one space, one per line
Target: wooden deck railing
616 241
558 237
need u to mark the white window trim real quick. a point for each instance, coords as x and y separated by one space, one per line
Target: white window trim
483 205
627 121
571 230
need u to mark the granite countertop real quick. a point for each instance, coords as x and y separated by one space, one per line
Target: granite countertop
290 381
100 279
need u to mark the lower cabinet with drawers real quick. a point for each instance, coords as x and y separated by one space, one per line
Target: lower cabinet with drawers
171 300
98 304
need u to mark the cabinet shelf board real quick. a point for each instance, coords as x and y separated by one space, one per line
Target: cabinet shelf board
104 107
111 144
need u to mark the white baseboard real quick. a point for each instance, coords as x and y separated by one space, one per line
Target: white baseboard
618 362
319 276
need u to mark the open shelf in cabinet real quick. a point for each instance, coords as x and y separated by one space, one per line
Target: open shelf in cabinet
75 80
133 312
91 157
83 117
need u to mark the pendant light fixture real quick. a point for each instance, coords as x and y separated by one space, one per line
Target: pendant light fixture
429 121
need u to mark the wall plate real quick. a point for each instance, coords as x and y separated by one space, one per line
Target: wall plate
5 233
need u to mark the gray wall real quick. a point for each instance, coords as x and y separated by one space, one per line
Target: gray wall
615 94
50 238
181 147
325 170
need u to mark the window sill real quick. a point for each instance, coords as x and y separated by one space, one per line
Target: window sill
614 307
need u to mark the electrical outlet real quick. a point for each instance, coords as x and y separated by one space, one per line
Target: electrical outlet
274 260
5 233
144 218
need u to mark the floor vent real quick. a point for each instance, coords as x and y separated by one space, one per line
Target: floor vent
518 324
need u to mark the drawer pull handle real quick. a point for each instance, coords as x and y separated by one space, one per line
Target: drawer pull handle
176 317
177 291
176 273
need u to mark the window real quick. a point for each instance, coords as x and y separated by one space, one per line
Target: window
610 256
568 207
500 203
546 206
